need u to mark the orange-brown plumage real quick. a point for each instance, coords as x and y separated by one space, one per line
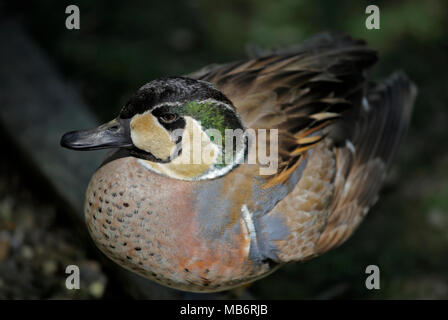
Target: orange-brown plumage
337 134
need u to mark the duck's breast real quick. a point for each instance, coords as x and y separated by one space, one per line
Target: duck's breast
188 235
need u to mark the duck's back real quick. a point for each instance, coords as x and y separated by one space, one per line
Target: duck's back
346 129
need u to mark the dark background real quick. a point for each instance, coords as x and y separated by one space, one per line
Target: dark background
122 45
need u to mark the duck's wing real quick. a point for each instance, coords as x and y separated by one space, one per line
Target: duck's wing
298 91
363 162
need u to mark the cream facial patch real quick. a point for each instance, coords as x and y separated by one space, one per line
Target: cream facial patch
198 155
149 135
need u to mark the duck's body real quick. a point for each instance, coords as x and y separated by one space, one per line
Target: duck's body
210 228
197 235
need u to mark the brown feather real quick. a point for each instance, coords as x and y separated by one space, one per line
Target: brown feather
361 174
295 91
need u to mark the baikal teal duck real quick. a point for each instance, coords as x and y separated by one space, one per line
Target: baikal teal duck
213 225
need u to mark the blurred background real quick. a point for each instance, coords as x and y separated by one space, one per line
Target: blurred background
122 45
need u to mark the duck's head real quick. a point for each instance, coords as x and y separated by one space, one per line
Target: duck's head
179 127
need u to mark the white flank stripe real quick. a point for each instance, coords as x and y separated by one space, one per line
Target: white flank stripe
247 218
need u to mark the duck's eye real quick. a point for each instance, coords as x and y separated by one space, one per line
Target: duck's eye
168 117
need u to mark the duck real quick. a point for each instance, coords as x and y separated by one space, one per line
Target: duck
228 218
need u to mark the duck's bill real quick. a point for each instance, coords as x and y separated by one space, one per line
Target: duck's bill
114 134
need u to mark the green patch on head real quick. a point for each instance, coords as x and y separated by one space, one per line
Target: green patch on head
212 116
209 114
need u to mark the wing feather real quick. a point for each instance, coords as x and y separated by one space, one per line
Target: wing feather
299 91
362 164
